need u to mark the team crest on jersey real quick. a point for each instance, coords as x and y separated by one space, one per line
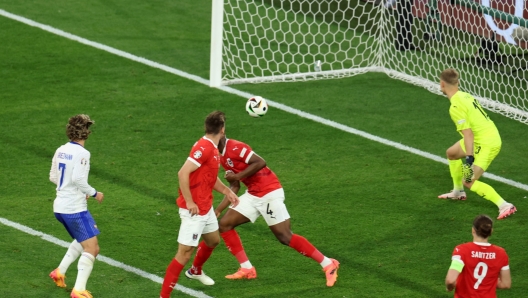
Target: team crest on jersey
197 154
195 237
230 162
83 161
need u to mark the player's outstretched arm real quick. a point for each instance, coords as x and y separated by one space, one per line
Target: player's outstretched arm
504 279
183 179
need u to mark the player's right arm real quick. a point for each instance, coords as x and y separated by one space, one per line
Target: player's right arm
454 270
183 177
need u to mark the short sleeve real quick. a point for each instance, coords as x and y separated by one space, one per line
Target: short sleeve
457 254
505 264
459 115
242 152
199 154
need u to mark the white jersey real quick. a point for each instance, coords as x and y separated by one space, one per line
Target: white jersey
69 171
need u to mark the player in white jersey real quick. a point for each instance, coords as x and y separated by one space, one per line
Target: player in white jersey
69 171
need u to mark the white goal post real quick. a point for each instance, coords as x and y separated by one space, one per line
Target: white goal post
257 41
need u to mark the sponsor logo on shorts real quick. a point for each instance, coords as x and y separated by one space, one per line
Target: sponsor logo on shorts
195 237
197 154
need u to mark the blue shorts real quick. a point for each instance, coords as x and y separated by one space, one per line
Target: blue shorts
80 226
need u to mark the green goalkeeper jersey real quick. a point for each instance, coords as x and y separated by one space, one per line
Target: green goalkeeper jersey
466 112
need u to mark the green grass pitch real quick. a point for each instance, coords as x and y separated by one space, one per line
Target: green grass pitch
369 205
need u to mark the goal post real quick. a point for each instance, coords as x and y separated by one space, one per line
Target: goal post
257 41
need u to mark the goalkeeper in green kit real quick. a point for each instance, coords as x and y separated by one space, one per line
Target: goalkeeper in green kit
480 144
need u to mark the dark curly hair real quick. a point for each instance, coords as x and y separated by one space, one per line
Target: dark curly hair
78 127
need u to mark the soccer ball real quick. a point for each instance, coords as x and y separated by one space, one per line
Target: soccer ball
256 107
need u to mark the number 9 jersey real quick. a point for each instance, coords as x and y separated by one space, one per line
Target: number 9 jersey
481 265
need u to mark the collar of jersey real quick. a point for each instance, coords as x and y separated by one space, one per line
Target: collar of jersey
75 143
210 141
225 146
482 243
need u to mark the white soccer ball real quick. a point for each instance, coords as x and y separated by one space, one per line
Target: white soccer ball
520 34
256 107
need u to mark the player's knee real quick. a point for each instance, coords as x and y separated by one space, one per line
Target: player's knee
450 154
223 226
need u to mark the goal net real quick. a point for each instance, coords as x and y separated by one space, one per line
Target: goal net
255 41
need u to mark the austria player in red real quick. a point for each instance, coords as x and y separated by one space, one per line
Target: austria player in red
265 197
198 177
478 267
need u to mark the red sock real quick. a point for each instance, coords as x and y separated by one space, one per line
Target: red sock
234 244
171 278
202 254
304 247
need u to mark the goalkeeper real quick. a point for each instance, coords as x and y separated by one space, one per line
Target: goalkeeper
480 144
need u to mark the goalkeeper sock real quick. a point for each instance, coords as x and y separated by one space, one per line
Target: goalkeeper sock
455 167
487 192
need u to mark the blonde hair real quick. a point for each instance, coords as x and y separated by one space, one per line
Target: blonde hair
78 127
450 76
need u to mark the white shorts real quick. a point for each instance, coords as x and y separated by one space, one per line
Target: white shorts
271 207
192 227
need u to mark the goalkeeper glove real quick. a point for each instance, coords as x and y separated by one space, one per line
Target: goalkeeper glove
467 168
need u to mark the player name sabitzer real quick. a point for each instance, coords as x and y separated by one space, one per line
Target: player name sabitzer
483 255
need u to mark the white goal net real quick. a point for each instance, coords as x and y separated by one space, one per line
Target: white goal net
256 41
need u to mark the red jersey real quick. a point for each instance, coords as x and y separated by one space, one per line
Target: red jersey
235 157
482 265
205 155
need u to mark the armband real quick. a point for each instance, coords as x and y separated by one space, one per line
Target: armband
456 265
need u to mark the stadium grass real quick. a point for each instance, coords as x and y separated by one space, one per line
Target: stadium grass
370 206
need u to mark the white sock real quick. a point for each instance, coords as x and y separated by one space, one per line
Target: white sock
326 261
246 265
74 251
84 268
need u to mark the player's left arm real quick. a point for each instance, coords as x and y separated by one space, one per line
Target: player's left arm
255 164
469 139
504 279
467 170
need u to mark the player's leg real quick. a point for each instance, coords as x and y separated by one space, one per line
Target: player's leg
74 251
191 228
277 217
244 212
183 255
86 234
483 158
211 238
284 234
455 154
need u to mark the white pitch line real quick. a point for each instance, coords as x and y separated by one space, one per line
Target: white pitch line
248 95
101 258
